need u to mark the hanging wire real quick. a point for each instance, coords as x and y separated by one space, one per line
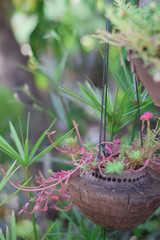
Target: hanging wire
103 121
139 114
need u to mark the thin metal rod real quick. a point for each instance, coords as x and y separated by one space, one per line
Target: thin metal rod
139 114
106 85
104 93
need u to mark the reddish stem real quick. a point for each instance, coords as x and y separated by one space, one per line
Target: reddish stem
78 134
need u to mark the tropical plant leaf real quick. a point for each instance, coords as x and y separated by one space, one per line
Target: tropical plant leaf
11 196
47 232
16 140
26 149
58 141
39 141
9 150
1 235
84 229
9 173
13 227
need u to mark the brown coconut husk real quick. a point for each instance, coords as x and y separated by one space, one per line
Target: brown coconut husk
143 75
112 200
142 72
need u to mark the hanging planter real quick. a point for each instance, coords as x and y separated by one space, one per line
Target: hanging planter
113 184
124 190
138 30
142 72
112 200
143 75
118 188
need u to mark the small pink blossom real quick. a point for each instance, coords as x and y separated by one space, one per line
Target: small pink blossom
146 116
117 142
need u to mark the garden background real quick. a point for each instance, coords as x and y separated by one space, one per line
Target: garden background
51 71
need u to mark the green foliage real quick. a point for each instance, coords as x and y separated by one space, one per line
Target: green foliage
71 140
78 227
10 108
114 167
9 173
22 154
138 29
5 179
122 108
64 27
135 156
11 233
58 25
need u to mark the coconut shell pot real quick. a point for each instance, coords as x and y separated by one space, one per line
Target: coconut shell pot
143 75
142 72
112 200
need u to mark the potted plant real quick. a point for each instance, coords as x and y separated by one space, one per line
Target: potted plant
118 189
138 30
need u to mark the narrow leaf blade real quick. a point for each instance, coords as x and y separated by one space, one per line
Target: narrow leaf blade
36 146
13 227
49 148
16 140
8 149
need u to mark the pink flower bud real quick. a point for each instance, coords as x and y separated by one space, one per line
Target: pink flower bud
146 116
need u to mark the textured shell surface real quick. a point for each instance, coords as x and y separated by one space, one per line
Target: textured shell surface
118 201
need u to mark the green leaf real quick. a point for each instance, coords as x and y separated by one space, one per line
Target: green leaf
49 148
96 232
85 231
7 234
1 235
26 147
94 91
9 150
61 67
89 96
11 196
80 98
16 140
8 174
76 216
69 231
116 98
27 129
117 77
109 103
13 227
70 219
35 72
130 83
41 154
48 231
21 132
36 146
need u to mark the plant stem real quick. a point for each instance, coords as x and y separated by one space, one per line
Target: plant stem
133 129
117 235
111 133
31 207
103 233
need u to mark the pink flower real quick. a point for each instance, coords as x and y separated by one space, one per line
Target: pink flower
117 142
146 116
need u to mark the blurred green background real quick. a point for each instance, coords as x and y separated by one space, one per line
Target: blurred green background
46 45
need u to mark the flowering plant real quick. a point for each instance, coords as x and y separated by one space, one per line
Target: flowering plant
117 158
138 29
